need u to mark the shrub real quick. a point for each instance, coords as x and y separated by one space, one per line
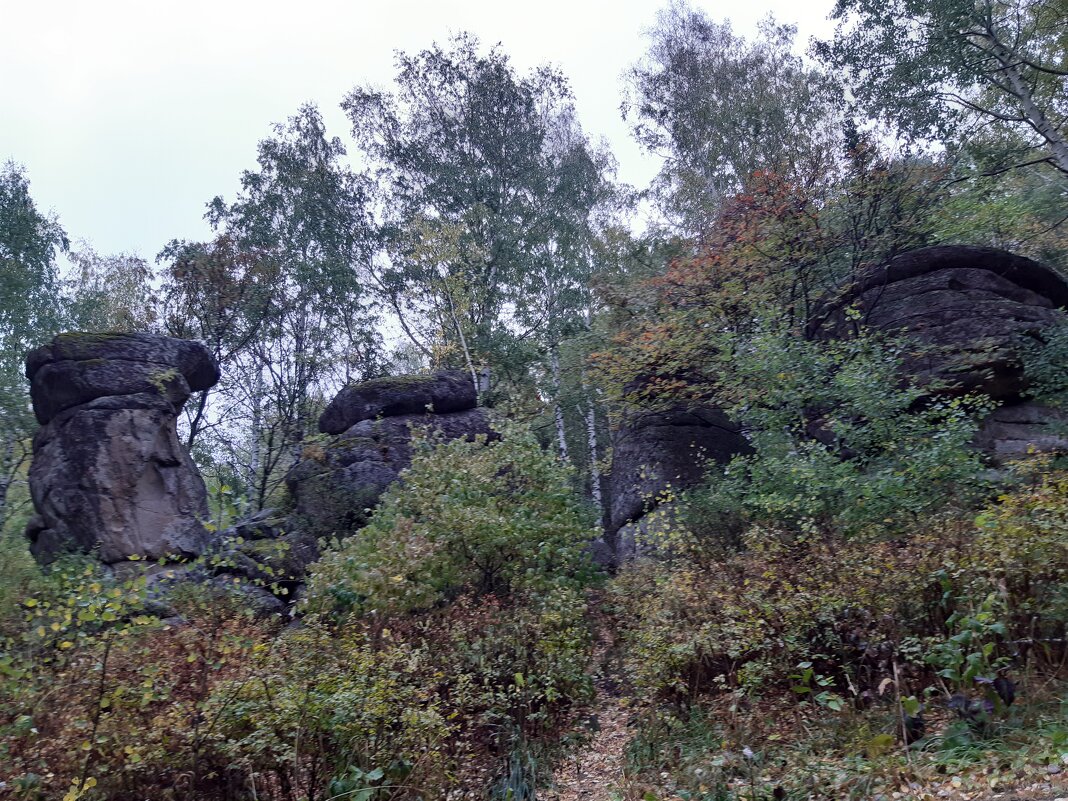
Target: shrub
746 621
841 446
469 583
467 517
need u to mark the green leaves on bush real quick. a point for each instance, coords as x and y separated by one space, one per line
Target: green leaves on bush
467 517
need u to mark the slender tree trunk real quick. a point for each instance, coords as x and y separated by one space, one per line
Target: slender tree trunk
463 339
1035 116
591 443
198 419
558 409
256 433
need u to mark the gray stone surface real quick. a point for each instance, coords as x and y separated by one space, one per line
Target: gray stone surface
336 486
75 368
1014 431
109 475
969 309
440 393
653 452
971 312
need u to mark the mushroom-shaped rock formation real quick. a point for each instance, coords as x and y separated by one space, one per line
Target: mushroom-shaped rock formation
336 485
655 452
109 475
970 308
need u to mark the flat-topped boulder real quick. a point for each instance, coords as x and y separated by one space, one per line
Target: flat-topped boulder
109 475
970 310
440 393
76 368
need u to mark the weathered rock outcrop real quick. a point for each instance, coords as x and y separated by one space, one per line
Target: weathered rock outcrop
971 311
655 452
266 549
443 392
1015 430
335 486
970 308
109 475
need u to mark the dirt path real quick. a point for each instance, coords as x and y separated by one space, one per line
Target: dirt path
596 770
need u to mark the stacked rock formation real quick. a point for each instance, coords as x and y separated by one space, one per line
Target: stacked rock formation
972 312
109 475
335 486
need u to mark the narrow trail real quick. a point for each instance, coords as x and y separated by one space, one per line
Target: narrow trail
596 770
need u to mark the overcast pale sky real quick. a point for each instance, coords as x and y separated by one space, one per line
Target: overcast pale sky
129 115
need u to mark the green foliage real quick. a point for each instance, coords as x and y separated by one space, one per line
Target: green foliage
744 622
332 709
840 446
938 68
723 109
474 560
30 311
110 293
1046 365
467 517
491 191
19 577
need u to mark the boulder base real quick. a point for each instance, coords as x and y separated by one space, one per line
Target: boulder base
655 453
336 486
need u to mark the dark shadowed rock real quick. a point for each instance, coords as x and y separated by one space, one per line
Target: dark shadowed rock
441 393
653 452
108 474
972 312
265 550
165 587
336 485
76 368
969 309
1012 432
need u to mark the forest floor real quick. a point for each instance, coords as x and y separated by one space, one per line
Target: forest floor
597 767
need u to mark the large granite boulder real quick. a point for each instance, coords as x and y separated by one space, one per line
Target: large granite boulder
109 475
336 485
969 309
657 453
440 393
971 312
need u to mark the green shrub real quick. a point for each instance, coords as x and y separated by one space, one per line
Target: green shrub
326 708
466 517
841 446
474 566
